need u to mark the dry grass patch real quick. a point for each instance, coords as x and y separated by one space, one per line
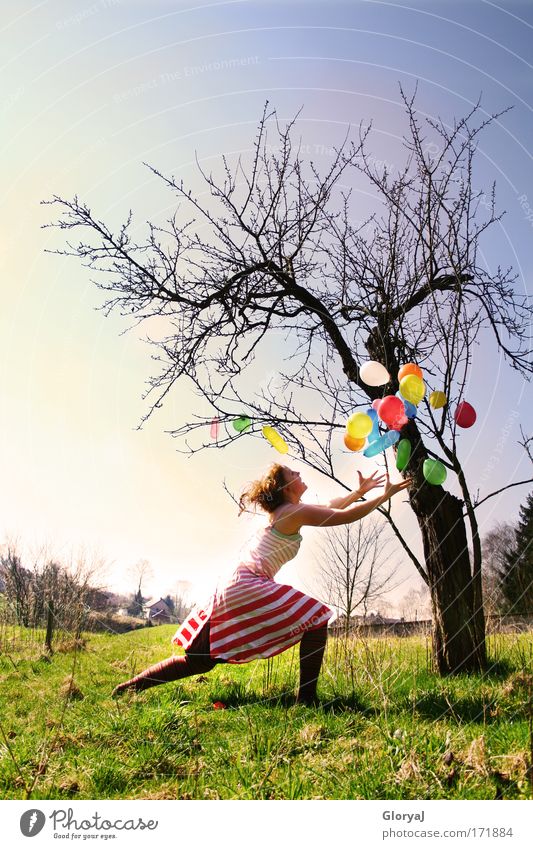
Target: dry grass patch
70 690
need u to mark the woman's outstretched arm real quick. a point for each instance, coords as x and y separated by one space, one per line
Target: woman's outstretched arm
365 485
328 517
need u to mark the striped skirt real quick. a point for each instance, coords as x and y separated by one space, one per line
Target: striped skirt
253 617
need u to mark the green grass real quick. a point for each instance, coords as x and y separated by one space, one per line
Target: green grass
388 727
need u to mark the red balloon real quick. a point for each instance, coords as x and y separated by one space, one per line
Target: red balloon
399 423
465 415
391 410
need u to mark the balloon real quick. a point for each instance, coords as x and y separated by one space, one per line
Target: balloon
374 374
359 425
214 429
412 388
381 444
399 423
241 424
392 437
275 439
434 472
409 368
465 415
437 400
376 403
403 454
391 409
353 444
374 433
410 409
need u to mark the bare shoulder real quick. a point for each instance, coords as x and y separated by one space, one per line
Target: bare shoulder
286 518
290 518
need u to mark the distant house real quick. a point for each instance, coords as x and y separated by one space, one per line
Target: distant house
374 617
159 613
377 625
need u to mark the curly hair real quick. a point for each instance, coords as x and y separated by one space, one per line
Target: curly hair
267 492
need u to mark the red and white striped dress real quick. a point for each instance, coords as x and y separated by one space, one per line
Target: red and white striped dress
252 616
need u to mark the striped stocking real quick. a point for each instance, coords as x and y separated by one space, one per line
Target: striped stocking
196 661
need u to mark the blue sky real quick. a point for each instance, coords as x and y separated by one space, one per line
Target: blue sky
93 90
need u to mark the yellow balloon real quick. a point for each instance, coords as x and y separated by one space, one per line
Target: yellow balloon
359 425
412 388
437 400
275 439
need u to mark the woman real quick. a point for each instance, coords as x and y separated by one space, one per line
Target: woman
252 616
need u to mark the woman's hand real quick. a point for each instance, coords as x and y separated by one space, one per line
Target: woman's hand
366 484
344 514
392 488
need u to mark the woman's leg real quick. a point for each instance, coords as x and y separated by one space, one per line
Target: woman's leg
196 661
312 647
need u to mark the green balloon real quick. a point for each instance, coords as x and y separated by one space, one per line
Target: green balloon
241 424
403 454
434 472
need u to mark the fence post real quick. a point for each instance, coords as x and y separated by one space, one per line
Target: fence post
49 627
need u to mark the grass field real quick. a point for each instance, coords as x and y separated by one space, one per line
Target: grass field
388 727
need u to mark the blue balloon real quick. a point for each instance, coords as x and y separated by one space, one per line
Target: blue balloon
410 409
392 437
374 433
381 444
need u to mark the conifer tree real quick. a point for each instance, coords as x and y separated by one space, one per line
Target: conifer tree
517 577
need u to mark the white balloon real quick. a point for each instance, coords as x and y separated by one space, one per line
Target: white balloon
374 374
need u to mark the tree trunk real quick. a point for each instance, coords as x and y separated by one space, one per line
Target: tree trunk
458 627
458 623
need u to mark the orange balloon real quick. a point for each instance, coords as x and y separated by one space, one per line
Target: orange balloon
352 443
410 368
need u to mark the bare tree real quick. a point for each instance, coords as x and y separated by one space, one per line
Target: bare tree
276 249
16 580
355 567
181 596
415 604
47 592
496 545
141 572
